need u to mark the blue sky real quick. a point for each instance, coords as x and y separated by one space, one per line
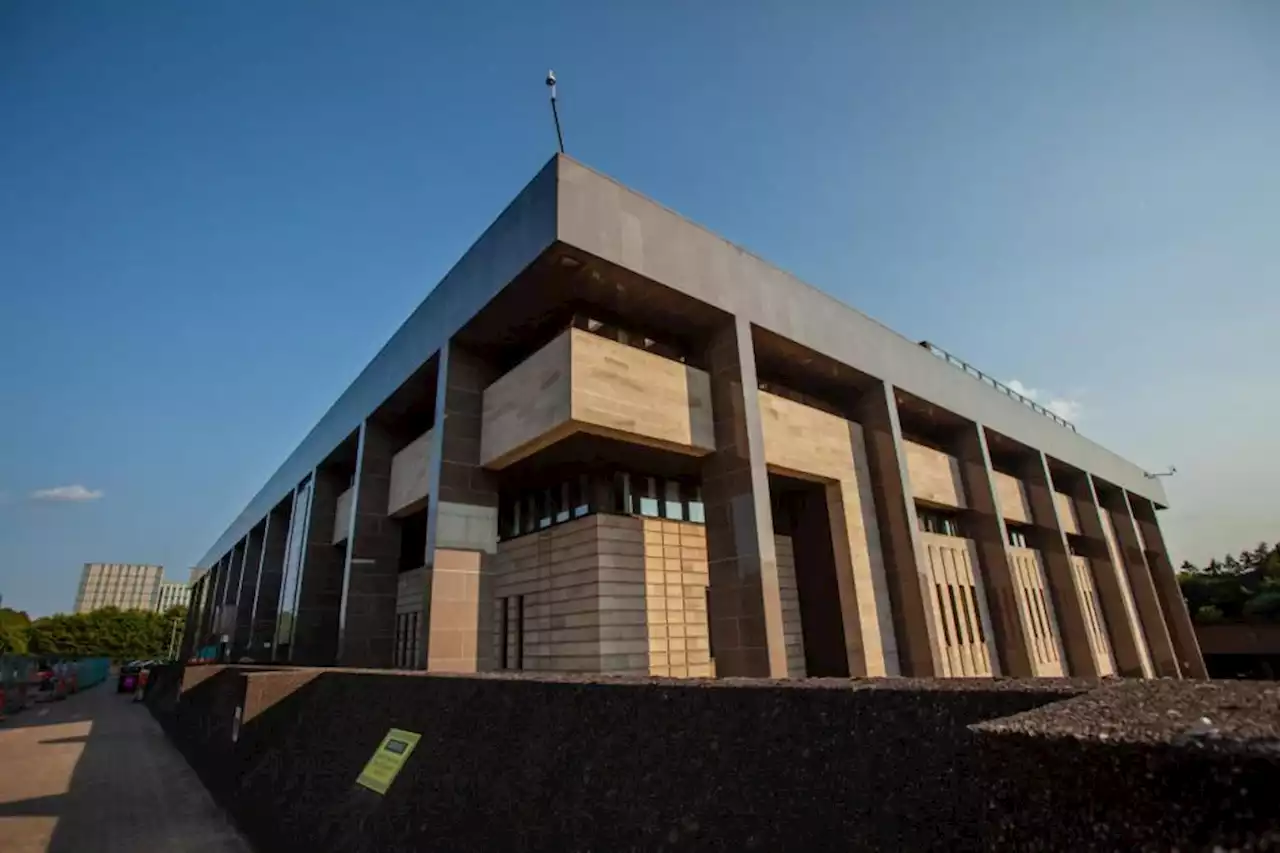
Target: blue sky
212 215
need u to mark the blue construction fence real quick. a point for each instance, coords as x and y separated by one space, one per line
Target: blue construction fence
25 679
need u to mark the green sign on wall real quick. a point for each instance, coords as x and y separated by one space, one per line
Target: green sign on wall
387 760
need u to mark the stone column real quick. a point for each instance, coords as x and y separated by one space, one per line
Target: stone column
1190 661
366 631
1151 617
266 598
217 592
213 579
227 613
1068 600
899 540
244 597
315 628
462 520
195 613
1127 646
986 527
745 612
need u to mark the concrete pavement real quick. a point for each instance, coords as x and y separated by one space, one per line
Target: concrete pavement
96 773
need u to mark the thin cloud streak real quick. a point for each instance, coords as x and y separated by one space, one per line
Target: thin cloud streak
74 493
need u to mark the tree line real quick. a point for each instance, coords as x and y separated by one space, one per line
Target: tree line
109 632
1237 588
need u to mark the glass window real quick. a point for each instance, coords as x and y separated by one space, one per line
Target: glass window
622 493
582 500
934 521
648 497
562 502
529 517
696 510
546 512
673 506
1018 537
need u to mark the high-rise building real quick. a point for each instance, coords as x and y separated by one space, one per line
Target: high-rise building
172 594
611 441
128 586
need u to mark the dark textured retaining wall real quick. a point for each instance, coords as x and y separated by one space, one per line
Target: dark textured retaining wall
614 764
1141 766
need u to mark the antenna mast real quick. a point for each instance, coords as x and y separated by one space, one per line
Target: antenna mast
551 84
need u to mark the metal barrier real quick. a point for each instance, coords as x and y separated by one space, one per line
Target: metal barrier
20 678
996 384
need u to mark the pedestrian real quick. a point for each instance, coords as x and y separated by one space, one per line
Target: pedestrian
140 690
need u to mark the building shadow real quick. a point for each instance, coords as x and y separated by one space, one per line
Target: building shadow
127 789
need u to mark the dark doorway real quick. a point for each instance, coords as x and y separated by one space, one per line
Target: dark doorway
800 511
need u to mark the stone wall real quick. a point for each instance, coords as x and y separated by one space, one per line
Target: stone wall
575 763
604 593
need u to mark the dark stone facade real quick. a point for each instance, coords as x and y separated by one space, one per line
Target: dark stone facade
508 763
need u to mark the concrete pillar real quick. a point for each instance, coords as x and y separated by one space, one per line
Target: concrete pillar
899 540
462 521
986 527
1183 633
199 627
1145 601
244 596
216 593
745 611
1128 648
266 594
230 589
195 614
315 628
366 630
1051 540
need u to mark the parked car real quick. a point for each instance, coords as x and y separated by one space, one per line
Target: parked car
128 679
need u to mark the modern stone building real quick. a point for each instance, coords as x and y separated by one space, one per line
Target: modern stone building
128 586
610 440
172 594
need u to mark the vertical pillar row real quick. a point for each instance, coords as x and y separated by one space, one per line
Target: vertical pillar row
366 630
462 520
244 595
1012 640
909 585
1177 618
1067 597
315 628
214 608
1143 591
266 596
1123 631
194 615
230 589
745 601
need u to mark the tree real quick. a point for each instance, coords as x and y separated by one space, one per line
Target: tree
109 632
1208 615
14 627
1235 589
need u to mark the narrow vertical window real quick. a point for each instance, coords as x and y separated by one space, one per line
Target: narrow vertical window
519 632
673 506
697 512
506 632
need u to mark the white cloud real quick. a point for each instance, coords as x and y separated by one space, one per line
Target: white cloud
1064 407
74 493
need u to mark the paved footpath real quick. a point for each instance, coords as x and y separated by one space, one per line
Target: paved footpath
96 773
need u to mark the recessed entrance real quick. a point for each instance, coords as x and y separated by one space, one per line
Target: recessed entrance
800 514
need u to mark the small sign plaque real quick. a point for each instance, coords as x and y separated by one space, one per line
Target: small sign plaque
387 760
